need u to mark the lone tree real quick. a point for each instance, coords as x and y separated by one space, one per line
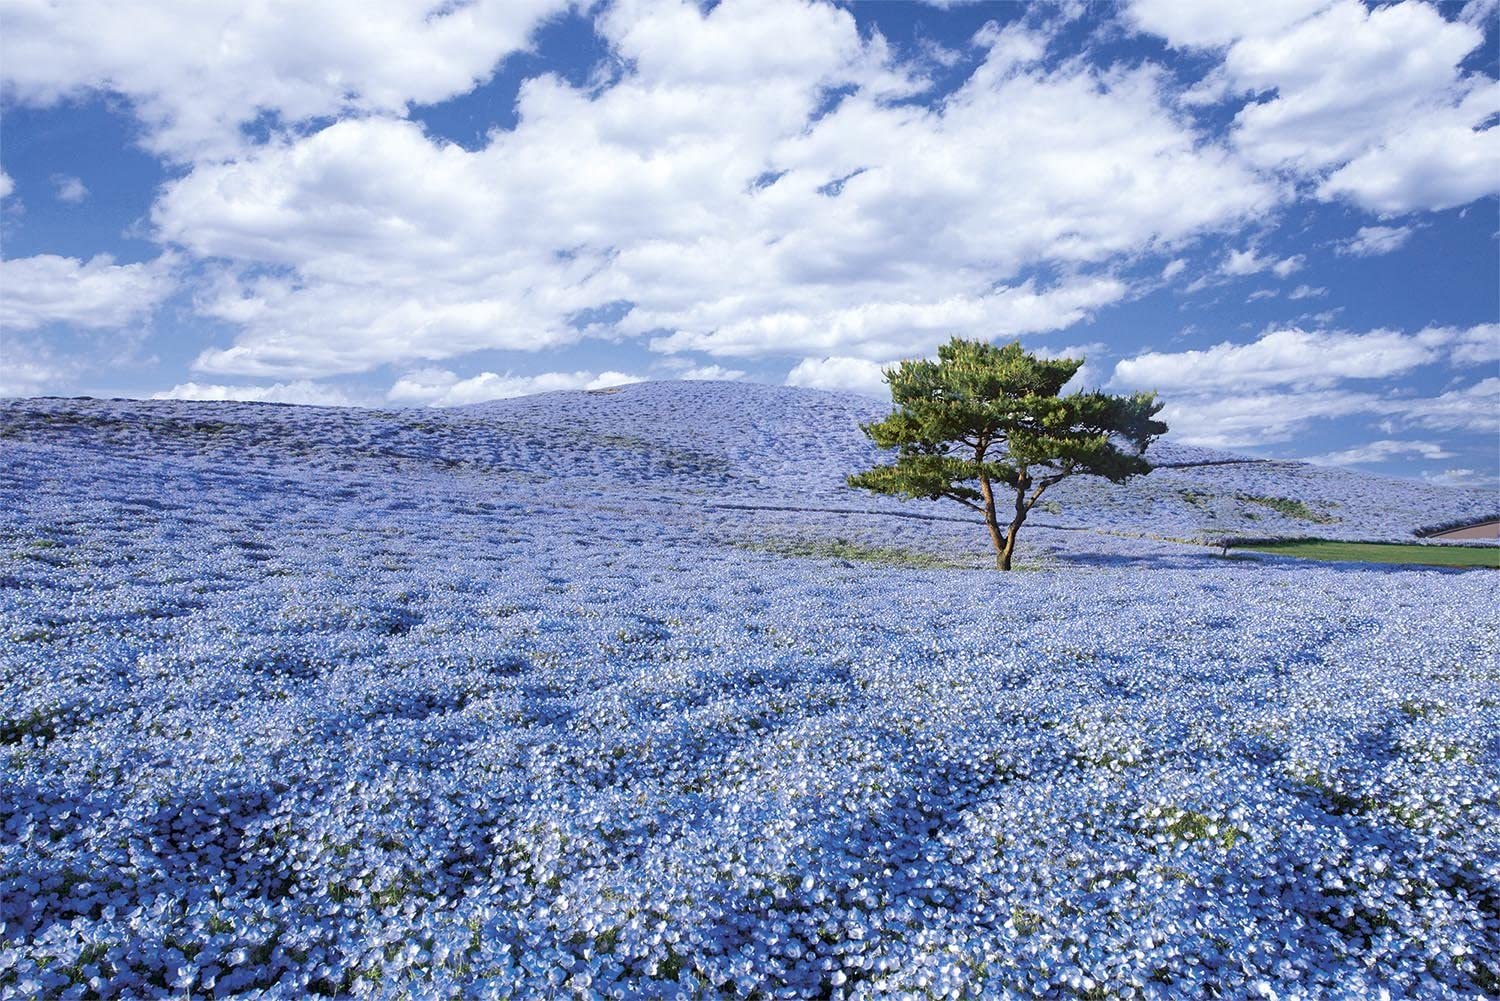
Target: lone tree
992 416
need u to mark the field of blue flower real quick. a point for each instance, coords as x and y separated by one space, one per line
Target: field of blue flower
623 695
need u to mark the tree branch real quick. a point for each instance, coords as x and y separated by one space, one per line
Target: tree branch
965 502
1047 481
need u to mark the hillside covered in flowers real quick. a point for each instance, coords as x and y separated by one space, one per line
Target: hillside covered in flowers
623 694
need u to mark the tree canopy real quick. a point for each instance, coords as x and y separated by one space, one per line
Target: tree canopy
986 417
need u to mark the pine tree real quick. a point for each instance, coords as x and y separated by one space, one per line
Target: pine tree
984 418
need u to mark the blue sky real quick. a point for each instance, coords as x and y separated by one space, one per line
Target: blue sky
1282 216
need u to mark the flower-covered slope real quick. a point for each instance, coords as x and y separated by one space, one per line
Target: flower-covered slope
801 443
524 700
715 443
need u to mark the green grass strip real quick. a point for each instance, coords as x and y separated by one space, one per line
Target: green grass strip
1385 552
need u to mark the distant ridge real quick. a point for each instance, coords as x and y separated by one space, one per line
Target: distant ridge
723 446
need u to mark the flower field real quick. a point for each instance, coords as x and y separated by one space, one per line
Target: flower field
597 695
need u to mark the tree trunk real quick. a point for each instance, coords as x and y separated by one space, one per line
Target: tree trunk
1022 509
1000 542
1010 543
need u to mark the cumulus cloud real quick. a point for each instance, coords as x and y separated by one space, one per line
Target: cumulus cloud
1463 477
1476 345
847 375
1284 358
1479 11
7 186
878 330
710 373
30 369
1215 25
1243 262
1270 389
196 72
1472 408
1441 160
872 228
96 294
1257 418
1370 241
1249 262
69 189
441 388
301 391
1370 104
1380 451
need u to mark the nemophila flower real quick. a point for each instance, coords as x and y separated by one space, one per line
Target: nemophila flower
327 725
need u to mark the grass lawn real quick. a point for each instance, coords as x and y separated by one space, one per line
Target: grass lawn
1384 552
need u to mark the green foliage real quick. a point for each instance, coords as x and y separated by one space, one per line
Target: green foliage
844 549
1291 508
39 724
985 416
1190 825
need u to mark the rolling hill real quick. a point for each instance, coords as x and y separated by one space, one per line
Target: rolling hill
623 695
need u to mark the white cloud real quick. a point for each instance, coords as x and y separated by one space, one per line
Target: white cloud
97 293
1174 268
1283 358
1249 262
710 373
196 72
1380 451
881 329
1473 408
1268 390
69 189
29 369
1212 25
682 367
1463 477
7 186
1287 266
872 230
441 388
1477 345
1307 292
1229 421
1373 240
301 391
1243 262
1439 161
847 375
1371 104
1320 319
1477 12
